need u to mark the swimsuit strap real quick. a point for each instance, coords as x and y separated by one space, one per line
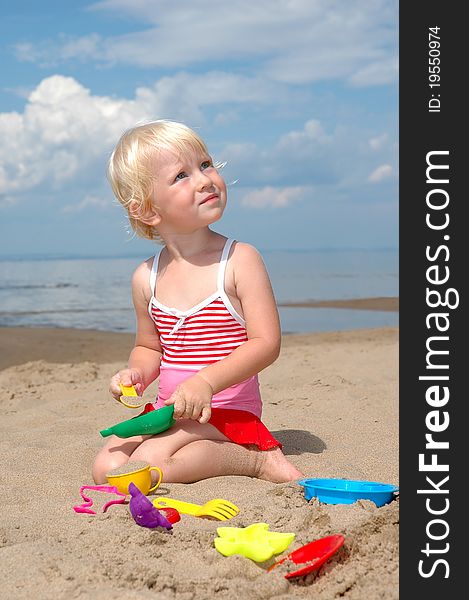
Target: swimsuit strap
222 265
154 271
221 268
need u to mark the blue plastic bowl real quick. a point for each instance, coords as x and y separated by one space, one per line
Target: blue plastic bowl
347 491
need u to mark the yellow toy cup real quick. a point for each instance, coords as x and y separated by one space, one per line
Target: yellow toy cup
137 472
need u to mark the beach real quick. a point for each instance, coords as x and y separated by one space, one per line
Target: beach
330 398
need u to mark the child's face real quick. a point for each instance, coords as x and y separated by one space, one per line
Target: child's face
188 192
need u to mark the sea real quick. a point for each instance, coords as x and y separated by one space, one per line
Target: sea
94 293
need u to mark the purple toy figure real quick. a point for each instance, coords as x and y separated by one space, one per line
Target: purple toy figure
143 511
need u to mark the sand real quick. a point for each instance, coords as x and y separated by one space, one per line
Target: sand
331 399
384 303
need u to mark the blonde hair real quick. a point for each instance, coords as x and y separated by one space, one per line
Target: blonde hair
128 169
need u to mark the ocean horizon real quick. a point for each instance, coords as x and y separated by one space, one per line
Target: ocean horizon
93 292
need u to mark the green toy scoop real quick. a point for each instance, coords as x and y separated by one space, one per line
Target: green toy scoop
151 423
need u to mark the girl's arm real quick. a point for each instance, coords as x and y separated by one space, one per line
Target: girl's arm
145 357
254 291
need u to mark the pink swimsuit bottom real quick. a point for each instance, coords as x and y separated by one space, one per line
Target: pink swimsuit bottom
236 411
242 396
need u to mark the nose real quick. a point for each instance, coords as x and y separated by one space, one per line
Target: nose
204 182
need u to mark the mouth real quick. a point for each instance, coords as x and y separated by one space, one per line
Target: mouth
209 198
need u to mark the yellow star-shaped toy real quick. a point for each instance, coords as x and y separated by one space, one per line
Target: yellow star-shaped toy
255 541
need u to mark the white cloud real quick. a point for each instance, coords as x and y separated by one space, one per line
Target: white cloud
89 201
380 173
45 54
297 41
300 156
58 146
183 90
379 72
272 197
378 142
62 131
312 131
66 133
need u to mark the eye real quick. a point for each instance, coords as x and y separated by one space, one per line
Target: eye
206 164
180 176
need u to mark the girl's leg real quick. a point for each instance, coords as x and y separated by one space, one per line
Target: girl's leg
208 458
114 454
153 449
190 452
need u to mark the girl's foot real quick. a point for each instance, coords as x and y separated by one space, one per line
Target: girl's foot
274 466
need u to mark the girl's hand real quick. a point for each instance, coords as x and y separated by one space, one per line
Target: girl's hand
127 377
192 400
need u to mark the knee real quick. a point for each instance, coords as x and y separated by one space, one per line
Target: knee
145 454
104 463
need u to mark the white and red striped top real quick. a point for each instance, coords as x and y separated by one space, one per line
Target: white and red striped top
202 335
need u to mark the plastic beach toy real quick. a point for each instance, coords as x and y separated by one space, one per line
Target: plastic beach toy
108 489
145 514
130 398
255 541
348 491
218 508
151 423
139 473
312 555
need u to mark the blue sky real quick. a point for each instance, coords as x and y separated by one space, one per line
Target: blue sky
300 97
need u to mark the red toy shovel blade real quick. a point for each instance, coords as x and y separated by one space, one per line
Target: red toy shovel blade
313 554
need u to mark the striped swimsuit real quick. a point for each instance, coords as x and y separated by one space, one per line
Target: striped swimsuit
198 337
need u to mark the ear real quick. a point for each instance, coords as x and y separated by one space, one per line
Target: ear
149 216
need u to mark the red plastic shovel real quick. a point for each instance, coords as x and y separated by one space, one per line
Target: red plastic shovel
313 554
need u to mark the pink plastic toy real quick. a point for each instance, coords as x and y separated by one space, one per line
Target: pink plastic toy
108 489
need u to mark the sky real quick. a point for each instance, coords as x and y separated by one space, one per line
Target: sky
299 97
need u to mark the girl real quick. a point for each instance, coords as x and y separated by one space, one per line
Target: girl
207 321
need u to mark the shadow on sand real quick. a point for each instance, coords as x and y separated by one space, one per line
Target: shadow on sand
298 441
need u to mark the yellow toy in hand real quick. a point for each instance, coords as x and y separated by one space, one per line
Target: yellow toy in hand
129 397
